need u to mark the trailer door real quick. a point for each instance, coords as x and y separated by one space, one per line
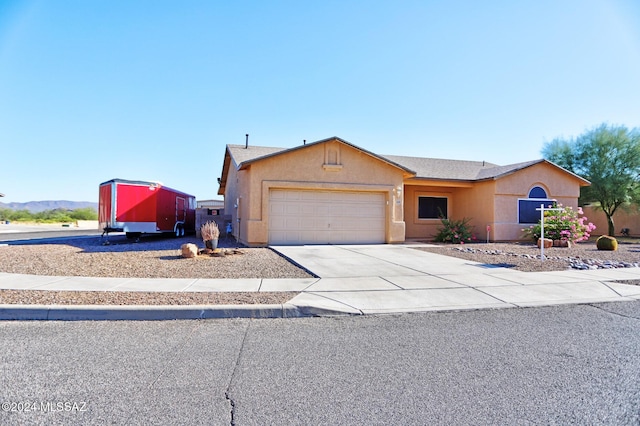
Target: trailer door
181 209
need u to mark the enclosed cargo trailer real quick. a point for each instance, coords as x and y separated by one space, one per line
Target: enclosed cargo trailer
140 207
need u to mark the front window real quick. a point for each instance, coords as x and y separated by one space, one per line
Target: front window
527 212
432 207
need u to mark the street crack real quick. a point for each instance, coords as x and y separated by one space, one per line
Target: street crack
227 393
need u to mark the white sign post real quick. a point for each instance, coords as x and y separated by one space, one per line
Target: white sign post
542 209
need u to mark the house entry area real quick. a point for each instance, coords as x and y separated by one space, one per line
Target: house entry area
326 217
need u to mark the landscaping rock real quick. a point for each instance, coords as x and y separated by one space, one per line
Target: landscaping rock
189 250
547 243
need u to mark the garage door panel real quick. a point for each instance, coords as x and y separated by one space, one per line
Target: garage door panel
321 217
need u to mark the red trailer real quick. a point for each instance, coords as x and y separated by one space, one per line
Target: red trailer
138 207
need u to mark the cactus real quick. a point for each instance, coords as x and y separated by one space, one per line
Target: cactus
605 242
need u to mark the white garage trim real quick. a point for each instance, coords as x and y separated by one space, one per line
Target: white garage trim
326 217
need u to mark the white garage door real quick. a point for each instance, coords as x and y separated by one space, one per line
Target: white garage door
322 217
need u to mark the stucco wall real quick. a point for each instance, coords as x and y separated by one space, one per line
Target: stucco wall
621 219
424 228
477 205
557 184
466 201
326 166
231 195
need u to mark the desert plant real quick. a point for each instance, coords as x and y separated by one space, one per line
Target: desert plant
454 231
605 242
209 231
564 225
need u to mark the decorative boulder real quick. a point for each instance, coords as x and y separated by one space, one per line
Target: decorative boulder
561 243
547 243
189 250
605 242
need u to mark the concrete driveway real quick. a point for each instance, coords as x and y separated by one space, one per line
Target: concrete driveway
397 278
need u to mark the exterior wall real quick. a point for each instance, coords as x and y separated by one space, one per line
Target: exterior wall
621 219
558 185
231 196
326 166
471 201
424 228
477 204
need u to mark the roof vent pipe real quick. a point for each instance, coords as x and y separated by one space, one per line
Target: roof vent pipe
246 142
304 141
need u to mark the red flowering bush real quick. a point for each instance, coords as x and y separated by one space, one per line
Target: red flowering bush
454 231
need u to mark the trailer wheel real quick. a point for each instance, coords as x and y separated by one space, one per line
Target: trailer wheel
179 231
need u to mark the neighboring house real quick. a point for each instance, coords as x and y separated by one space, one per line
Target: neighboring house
332 191
209 204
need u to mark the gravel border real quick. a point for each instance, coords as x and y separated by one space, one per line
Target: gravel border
526 256
47 297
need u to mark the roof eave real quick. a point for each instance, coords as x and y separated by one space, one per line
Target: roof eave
583 181
466 183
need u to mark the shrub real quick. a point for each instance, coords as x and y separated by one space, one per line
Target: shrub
49 216
209 231
86 213
564 225
454 231
605 242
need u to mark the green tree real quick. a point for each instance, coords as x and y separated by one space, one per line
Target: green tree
607 156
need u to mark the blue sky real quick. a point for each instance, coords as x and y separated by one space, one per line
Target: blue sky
154 90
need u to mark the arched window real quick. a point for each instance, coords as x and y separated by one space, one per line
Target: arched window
537 192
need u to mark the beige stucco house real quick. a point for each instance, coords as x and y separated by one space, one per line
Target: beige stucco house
332 191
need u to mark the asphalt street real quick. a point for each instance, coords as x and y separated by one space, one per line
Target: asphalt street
34 235
570 364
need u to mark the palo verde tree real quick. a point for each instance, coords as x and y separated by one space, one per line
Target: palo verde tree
607 156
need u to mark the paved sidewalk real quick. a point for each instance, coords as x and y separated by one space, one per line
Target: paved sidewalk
367 279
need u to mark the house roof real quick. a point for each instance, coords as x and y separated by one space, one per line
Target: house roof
245 155
419 167
242 155
461 170
437 168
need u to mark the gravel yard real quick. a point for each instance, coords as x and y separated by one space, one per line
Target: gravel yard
152 257
526 256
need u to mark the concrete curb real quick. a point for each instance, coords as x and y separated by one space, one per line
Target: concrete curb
156 313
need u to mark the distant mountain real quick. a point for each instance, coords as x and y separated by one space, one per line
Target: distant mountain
39 206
